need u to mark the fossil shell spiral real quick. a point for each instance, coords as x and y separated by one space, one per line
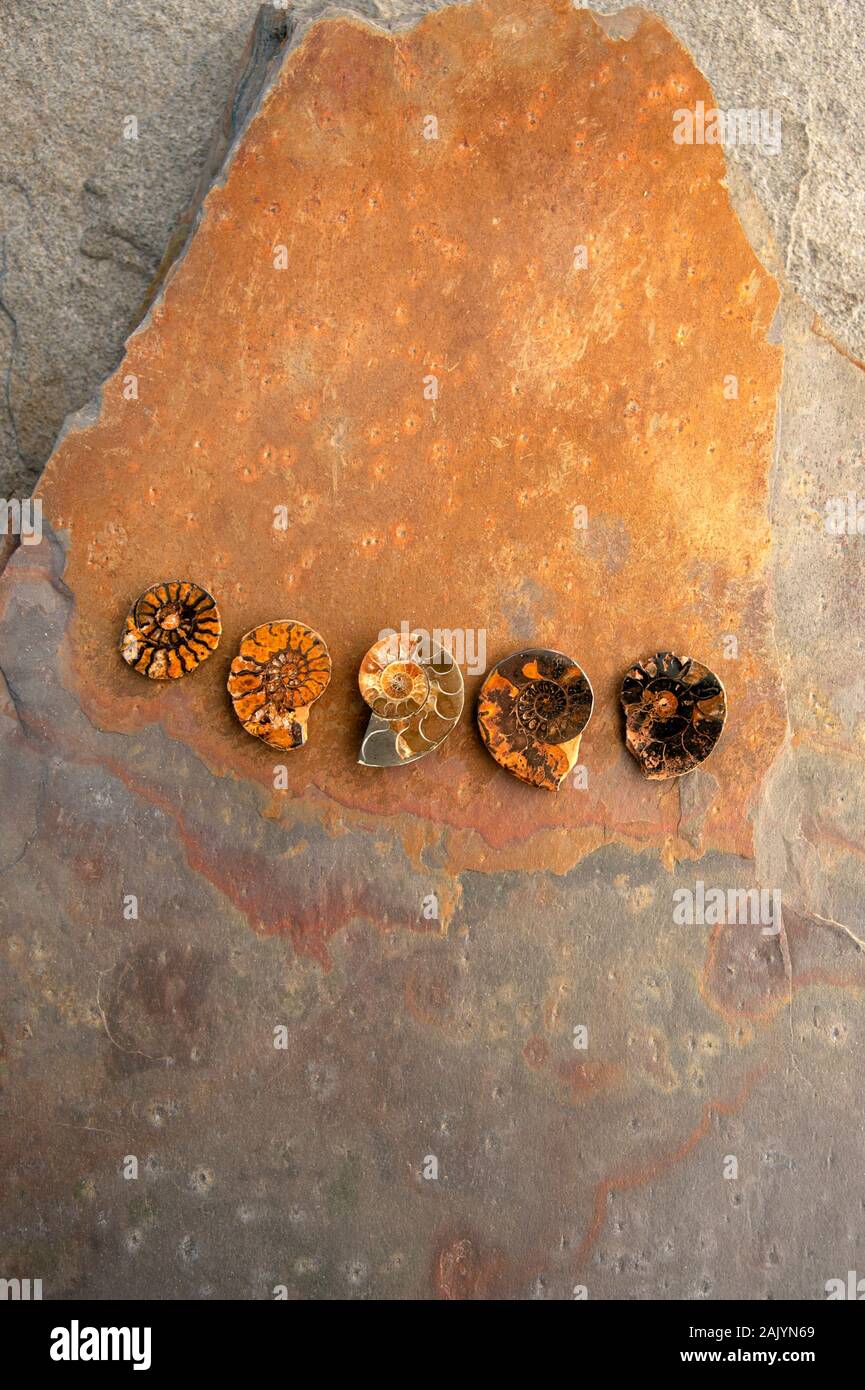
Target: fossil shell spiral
674 713
281 669
170 629
532 709
415 691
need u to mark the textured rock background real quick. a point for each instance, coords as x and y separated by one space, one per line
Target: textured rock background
303 1168
85 215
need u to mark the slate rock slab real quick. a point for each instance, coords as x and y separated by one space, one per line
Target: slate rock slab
335 1014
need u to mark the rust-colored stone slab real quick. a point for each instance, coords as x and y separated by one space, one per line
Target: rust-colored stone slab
558 387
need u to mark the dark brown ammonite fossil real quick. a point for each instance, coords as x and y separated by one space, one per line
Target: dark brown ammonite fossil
532 710
170 630
280 670
674 711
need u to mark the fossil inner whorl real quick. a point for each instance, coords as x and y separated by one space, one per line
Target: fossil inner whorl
549 710
405 680
663 703
169 616
540 706
289 682
398 690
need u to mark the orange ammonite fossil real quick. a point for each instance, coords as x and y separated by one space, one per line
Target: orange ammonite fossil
280 670
171 628
674 712
532 710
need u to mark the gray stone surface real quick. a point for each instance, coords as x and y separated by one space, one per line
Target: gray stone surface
85 215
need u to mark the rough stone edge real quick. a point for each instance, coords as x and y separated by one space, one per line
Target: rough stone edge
271 30
275 34
256 72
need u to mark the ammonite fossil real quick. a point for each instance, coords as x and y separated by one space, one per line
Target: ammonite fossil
170 630
532 710
415 691
674 711
280 670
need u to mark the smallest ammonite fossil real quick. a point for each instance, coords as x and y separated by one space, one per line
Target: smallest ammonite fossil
171 628
532 710
279 672
674 711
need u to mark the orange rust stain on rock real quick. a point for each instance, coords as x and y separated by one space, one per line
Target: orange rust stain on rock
582 1081
581 311
536 1053
463 1271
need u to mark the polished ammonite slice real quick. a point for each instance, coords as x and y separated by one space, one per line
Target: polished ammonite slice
281 669
170 629
414 688
674 713
532 709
